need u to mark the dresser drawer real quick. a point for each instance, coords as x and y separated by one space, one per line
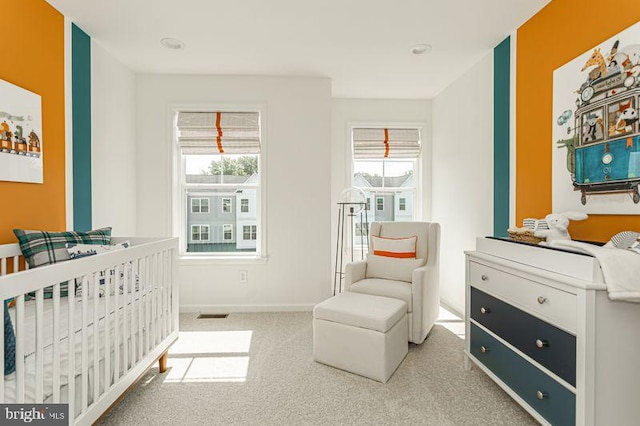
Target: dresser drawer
556 306
558 404
553 348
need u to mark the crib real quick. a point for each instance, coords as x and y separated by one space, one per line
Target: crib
87 350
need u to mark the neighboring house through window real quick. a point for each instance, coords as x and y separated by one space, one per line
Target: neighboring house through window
220 176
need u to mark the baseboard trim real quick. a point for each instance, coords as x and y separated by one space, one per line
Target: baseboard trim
219 309
451 309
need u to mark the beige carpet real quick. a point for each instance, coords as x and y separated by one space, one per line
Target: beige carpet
257 369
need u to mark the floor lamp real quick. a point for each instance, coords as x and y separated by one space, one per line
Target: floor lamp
352 210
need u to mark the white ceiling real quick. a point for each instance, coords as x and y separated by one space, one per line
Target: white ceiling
362 45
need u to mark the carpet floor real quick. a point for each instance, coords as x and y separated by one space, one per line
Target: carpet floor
258 369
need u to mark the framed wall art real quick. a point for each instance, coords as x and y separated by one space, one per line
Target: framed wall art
596 138
21 150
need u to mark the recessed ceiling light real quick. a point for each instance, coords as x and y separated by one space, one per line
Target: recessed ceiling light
419 49
172 43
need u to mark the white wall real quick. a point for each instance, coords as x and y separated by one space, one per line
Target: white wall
463 172
297 272
113 134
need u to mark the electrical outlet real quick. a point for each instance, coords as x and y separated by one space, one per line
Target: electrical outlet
244 276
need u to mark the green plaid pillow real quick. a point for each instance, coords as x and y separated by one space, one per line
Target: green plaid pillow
44 248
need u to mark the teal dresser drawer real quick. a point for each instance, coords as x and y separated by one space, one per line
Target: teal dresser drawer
524 331
553 401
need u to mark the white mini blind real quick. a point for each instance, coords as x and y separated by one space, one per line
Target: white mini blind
370 143
225 132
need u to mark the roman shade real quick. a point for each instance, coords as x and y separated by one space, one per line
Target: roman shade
372 143
225 132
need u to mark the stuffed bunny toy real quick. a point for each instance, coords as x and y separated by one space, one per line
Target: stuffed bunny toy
558 224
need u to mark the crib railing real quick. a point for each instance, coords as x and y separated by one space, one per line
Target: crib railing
123 319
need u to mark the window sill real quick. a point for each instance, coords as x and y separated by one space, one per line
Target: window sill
187 260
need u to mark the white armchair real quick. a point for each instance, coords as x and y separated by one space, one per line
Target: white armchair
422 294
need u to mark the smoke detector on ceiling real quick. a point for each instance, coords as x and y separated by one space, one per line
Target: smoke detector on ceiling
172 43
419 49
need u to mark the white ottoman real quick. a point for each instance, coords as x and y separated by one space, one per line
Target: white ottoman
364 334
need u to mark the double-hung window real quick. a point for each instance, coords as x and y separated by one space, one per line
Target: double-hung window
219 170
199 233
199 205
249 232
386 167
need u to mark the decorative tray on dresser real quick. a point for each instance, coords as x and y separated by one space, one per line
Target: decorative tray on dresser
540 324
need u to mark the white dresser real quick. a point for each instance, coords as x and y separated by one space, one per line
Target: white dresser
540 324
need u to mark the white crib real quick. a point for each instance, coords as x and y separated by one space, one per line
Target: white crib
83 350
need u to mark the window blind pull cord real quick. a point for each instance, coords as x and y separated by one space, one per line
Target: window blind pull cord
219 128
386 143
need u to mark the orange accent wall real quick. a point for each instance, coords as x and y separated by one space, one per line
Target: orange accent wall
33 58
561 31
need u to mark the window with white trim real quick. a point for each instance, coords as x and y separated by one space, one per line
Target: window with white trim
199 233
386 166
199 205
226 205
227 232
219 168
249 232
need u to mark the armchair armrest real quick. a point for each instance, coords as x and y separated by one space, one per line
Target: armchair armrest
425 290
354 272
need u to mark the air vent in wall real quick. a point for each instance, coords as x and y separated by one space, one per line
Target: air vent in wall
212 316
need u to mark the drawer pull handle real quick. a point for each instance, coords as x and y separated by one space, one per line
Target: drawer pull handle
542 343
542 299
484 277
484 310
484 349
541 395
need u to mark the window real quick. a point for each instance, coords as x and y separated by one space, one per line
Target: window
386 166
622 117
226 205
199 205
227 231
199 232
362 229
249 232
220 173
592 126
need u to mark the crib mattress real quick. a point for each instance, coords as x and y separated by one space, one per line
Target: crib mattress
125 309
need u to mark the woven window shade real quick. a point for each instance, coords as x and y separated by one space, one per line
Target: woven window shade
224 132
385 143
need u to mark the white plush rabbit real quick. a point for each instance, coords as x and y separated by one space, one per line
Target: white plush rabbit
558 224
